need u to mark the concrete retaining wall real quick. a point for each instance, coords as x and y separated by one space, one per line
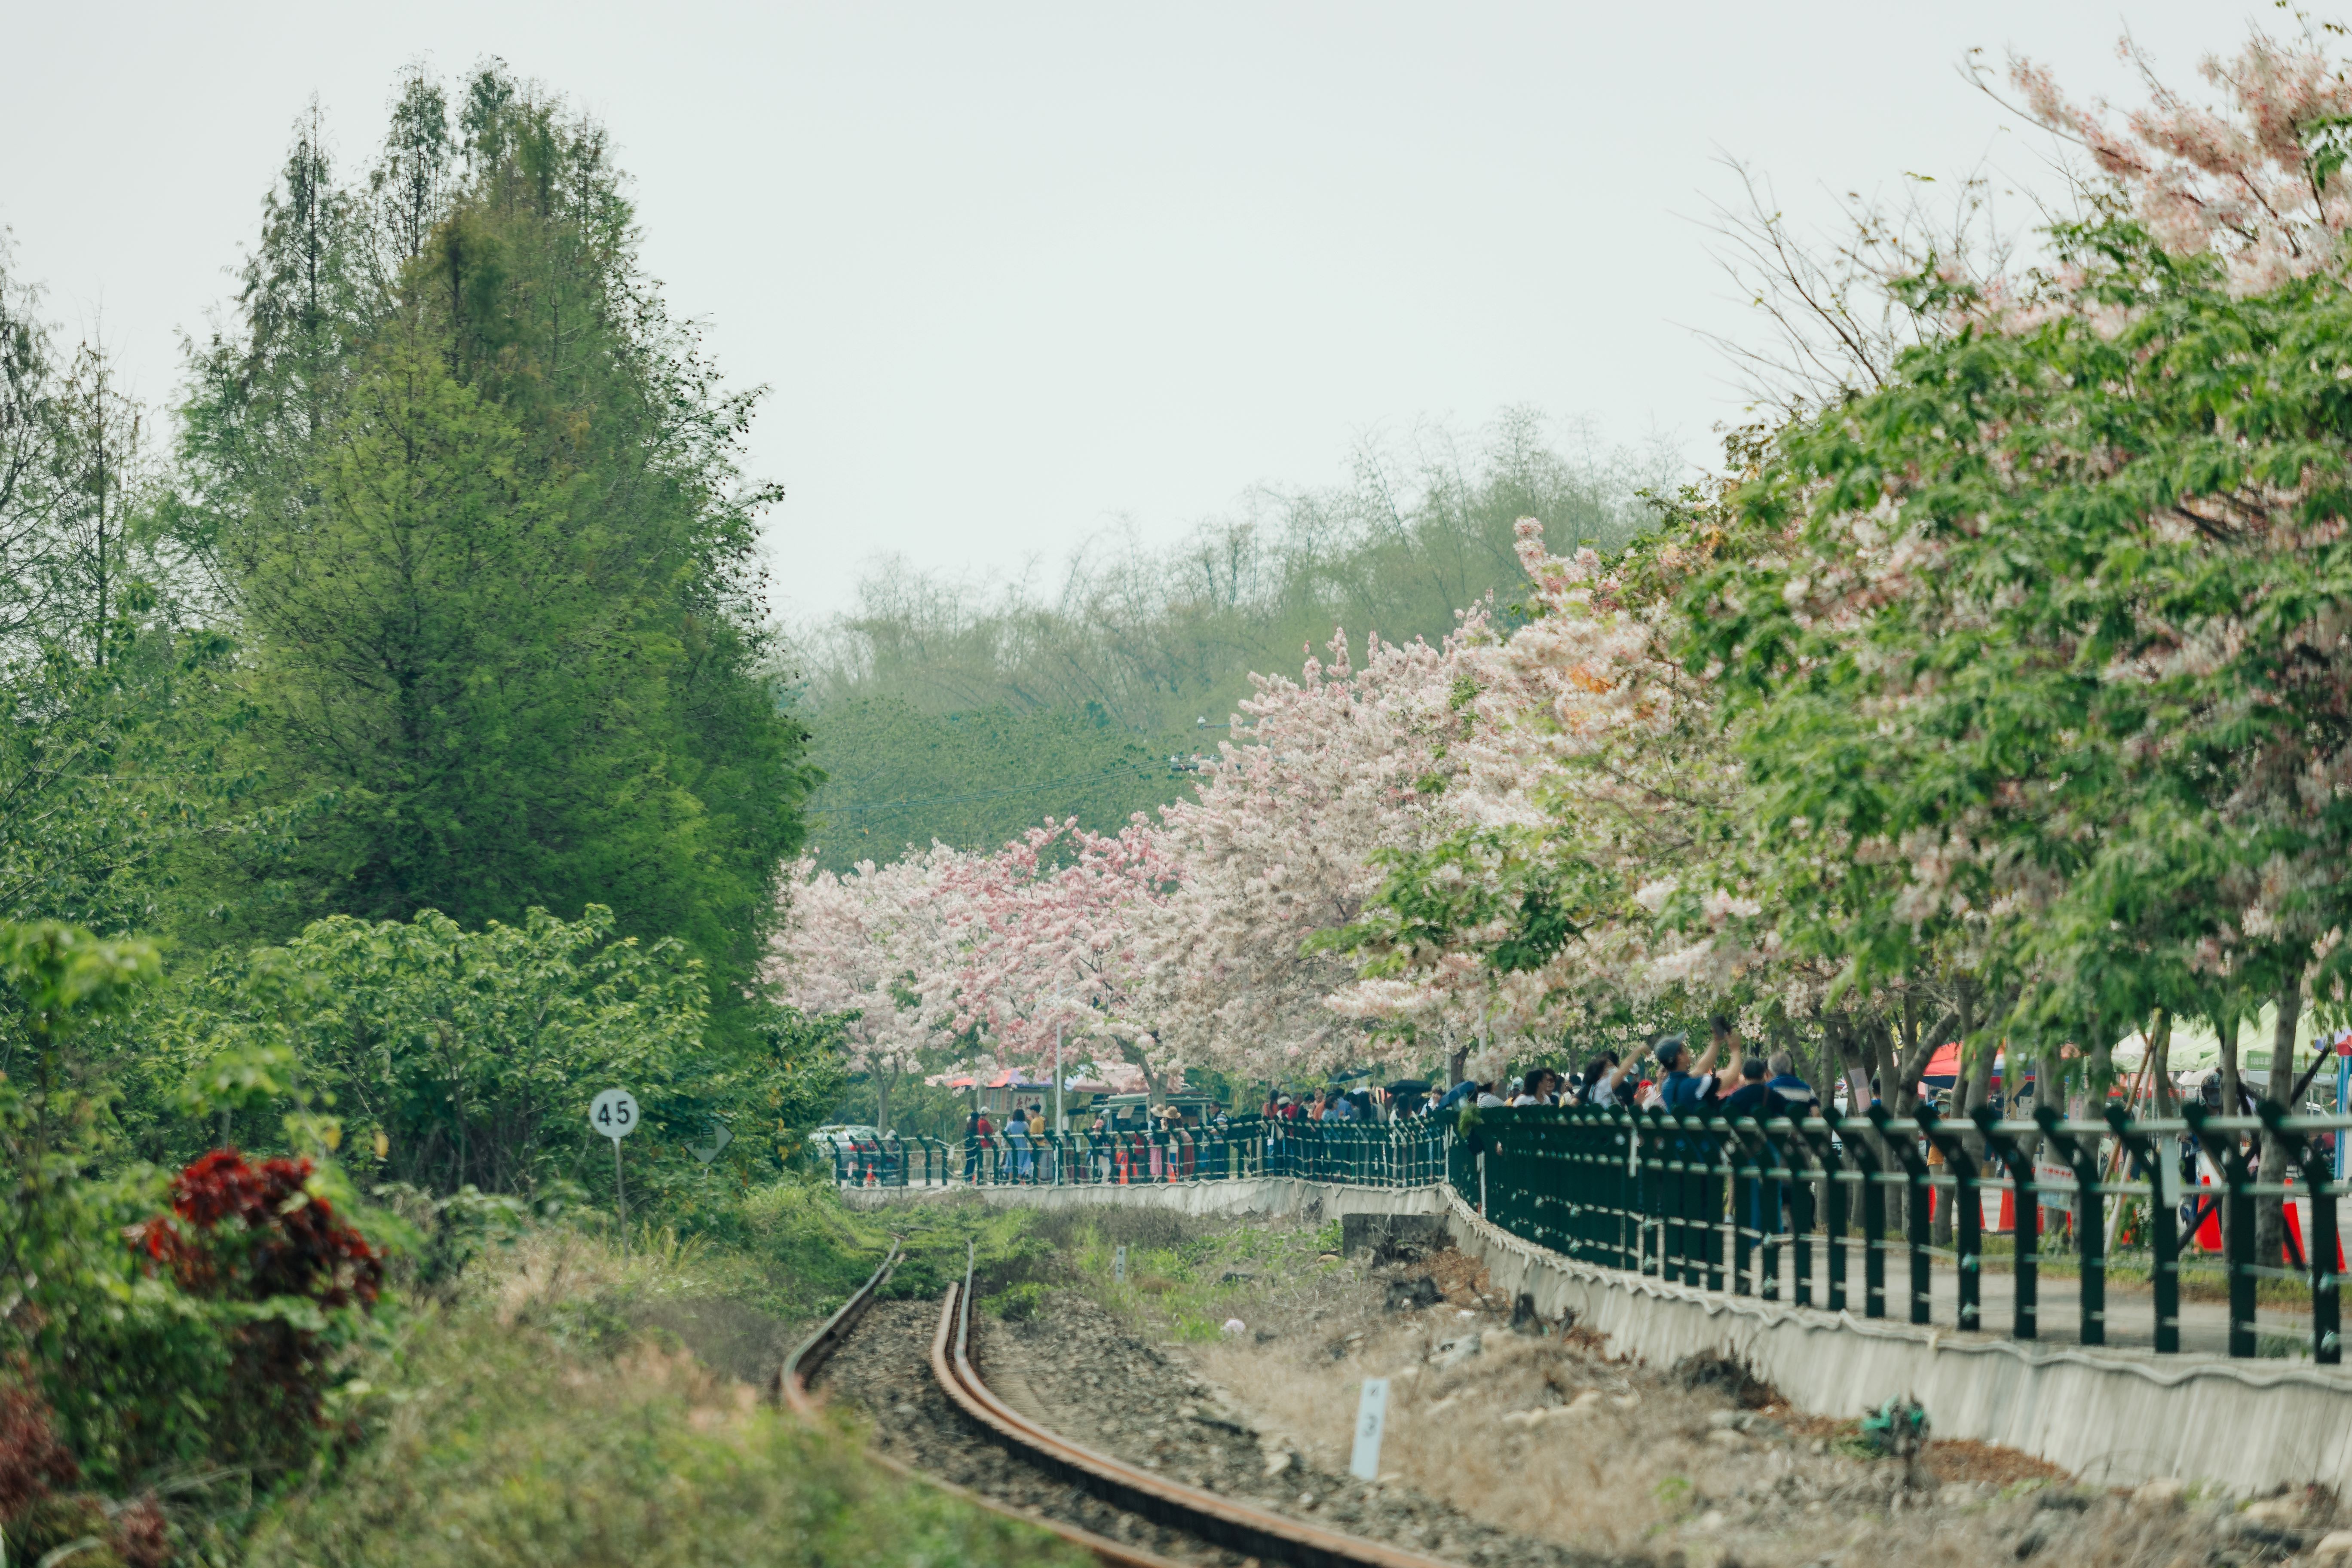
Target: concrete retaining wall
2113 1418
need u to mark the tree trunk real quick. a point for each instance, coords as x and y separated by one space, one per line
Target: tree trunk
1903 1097
2269 1211
1966 1092
1888 1045
882 1083
1454 1065
2229 1034
1980 1075
2159 1064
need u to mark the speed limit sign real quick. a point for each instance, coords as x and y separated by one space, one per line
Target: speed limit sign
615 1115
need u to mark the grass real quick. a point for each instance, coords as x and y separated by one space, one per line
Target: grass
1180 1286
796 1251
554 1409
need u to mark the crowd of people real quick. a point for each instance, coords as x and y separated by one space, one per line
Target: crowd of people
1665 1074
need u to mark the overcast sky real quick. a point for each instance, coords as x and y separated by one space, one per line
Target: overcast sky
1016 272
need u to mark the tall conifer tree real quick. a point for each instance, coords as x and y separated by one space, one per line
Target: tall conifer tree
476 504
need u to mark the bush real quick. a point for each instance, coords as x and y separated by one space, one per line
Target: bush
509 1438
220 1344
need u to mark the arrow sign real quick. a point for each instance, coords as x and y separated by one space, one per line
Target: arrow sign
721 1136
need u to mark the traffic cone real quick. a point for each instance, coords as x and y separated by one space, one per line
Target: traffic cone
2209 1233
2295 1228
2003 1207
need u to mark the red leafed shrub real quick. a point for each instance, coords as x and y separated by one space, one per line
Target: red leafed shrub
33 1462
142 1537
249 1236
285 1242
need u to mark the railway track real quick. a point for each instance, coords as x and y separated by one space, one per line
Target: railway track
1225 1529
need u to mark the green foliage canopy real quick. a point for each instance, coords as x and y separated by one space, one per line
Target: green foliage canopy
473 502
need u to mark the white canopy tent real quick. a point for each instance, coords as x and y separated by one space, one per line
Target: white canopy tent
2195 1047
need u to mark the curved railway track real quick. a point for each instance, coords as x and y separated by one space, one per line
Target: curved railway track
1228 1528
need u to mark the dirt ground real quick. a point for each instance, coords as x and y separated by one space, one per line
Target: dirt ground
1540 1435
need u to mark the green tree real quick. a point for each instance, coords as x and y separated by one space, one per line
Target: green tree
445 1057
473 503
2044 646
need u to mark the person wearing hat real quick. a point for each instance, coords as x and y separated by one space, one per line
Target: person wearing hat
1685 1087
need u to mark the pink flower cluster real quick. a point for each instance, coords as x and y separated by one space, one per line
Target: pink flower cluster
2262 183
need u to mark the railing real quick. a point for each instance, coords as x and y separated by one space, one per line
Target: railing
893 1161
1395 1154
1790 1210
1745 1206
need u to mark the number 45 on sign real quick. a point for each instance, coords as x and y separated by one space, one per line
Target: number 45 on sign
613 1113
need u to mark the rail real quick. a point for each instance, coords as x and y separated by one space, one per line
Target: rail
792 1381
809 1357
1241 1527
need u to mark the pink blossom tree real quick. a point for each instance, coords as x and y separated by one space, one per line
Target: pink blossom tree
1045 931
2259 182
1285 842
881 943
1572 881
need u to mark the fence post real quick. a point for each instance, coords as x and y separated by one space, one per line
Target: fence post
1715 1188
1919 1189
2090 1220
2319 1237
1874 1213
2026 1240
1795 1153
1655 1185
1967 1217
2229 1156
2163 1227
1772 1187
1623 1158
1746 1203
1833 1200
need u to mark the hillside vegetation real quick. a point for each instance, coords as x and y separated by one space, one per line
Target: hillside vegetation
966 712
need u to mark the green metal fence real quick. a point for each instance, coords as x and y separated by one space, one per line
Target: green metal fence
1386 1155
1800 1211
1763 1208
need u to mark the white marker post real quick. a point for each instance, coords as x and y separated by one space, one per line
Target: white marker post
1371 1418
1119 1264
613 1113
